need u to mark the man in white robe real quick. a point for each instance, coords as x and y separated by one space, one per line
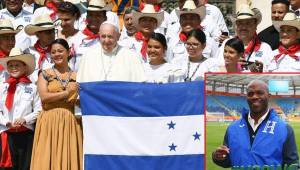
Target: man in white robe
108 61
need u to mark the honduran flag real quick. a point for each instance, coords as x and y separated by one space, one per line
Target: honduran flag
141 126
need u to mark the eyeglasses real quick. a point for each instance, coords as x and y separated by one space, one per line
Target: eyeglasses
193 45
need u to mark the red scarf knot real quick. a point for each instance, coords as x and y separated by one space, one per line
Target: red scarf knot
140 37
182 37
254 44
90 35
291 51
42 52
12 81
52 6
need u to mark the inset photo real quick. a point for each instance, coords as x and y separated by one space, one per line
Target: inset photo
252 121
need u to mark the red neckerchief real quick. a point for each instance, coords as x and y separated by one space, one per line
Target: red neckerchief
52 6
90 35
182 37
140 37
2 55
156 7
251 44
42 51
291 51
12 89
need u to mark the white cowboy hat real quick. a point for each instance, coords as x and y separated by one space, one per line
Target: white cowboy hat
245 12
18 55
147 11
40 23
99 5
190 7
6 27
289 19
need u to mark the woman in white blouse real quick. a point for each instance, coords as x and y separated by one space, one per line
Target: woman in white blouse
158 70
197 65
68 13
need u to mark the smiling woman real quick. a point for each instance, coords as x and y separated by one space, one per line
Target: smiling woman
158 70
57 124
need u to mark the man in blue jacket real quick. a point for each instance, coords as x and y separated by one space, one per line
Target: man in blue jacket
260 138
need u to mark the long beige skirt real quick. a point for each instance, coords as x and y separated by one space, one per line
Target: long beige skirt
57 141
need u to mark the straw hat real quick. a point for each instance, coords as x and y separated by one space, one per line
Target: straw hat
17 54
289 19
147 11
6 27
40 23
245 12
99 5
190 7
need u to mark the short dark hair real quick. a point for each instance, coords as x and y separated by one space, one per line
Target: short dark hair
62 42
129 10
286 2
70 8
198 34
236 44
160 38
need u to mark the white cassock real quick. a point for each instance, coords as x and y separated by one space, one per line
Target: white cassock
121 64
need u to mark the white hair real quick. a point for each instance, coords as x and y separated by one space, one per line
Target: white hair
110 23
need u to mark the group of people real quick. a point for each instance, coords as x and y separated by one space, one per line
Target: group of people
46 49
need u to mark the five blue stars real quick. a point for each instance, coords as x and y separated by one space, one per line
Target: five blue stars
197 136
171 125
173 147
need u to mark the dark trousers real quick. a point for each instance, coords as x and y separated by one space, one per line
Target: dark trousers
20 145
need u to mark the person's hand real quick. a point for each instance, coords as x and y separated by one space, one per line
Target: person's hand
19 122
257 67
221 153
222 38
72 87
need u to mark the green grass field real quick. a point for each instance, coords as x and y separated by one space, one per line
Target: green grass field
214 137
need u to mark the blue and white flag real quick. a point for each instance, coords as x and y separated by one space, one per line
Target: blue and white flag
141 126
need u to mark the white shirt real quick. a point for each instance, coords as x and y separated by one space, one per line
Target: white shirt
216 14
3 76
134 45
27 105
21 20
163 73
28 8
46 63
119 65
284 64
213 23
196 70
264 55
209 27
177 53
252 121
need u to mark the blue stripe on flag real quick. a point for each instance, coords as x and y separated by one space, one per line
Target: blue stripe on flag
142 99
115 162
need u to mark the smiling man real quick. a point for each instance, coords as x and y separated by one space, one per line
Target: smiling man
246 139
107 61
